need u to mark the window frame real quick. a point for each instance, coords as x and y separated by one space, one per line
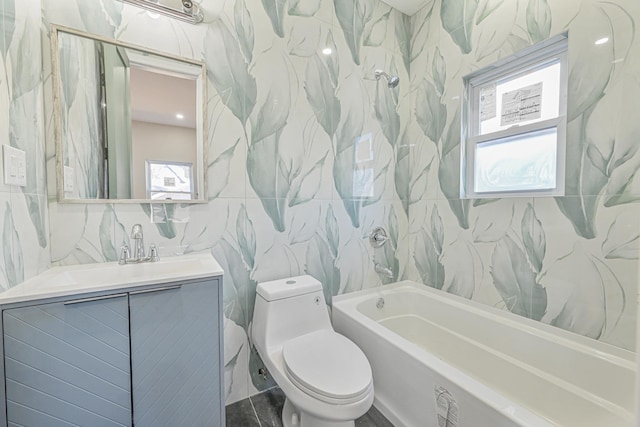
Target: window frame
149 163
528 60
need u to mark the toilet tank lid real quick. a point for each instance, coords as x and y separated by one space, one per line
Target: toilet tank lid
287 288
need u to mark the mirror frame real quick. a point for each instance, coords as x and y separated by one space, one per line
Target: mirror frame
57 119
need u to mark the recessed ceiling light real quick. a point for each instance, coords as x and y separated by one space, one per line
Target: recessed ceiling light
602 40
327 51
179 116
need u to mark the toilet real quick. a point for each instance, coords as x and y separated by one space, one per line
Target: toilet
325 377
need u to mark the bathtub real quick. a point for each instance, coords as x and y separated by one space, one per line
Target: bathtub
442 361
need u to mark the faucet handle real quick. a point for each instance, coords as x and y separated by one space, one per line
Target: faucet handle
153 253
125 254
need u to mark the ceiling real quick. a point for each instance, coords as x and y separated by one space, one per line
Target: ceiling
157 98
409 7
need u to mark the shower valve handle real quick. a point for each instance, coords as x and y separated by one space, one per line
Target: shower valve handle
378 237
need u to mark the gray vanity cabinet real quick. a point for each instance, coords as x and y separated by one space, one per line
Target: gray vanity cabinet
144 357
175 356
67 363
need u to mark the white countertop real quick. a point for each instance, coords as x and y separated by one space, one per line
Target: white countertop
85 278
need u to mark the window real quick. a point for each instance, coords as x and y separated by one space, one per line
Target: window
515 124
169 180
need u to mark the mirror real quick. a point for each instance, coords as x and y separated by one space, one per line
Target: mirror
129 122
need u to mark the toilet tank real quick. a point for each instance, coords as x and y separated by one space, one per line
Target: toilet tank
286 309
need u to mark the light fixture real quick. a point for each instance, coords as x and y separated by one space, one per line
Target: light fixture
602 41
327 51
179 116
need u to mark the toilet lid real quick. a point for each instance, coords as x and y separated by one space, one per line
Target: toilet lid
326 364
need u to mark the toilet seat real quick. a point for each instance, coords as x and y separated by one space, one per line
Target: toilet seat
328 366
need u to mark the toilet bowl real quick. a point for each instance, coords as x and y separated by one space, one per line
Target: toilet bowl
325 377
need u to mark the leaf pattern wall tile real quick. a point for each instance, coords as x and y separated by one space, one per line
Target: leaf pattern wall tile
353 16
304 7
457 19
276 11
228 71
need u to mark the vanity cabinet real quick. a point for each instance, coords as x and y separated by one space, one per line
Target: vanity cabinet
146 356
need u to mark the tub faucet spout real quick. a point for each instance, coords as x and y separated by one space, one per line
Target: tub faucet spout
383 270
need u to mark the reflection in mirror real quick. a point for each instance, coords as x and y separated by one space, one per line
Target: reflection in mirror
129 122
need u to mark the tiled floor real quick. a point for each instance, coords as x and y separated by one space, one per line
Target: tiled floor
264 410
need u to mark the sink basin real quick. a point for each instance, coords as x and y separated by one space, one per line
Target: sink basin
78 279
131 273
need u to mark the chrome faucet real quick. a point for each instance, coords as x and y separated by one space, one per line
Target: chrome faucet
380 269
138 256
138 242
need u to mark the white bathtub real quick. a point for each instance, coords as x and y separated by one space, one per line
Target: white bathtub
486 367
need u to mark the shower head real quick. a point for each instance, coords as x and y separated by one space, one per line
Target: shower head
392 81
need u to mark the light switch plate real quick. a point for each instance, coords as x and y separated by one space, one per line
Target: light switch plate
69 179
15 166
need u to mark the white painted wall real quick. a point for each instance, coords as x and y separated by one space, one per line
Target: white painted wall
152 141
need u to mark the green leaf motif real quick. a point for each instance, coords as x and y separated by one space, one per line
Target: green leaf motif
333 232
538 20
11 250
402 173
404 32
239 290
459 269
228 71
26 72
244 29
103 18
24 134
8 23
457 20
535 241
270 183
377 32
332 61
590 65
386 105
623 239
321 94
162 215
353 16
246 237
320 263
486 8
578 281
306 187
219 171
437 230
427 261
516 282
275 11
343 165
107 225
380 180
431 113
583 180
273 114
439 70
412 33
449 173
304 8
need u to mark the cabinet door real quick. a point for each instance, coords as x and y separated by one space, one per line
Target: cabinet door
68 363
175 356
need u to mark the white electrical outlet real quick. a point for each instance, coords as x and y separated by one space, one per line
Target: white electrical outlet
69 179
15 166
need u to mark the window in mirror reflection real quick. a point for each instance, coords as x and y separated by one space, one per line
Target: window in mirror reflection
169 180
